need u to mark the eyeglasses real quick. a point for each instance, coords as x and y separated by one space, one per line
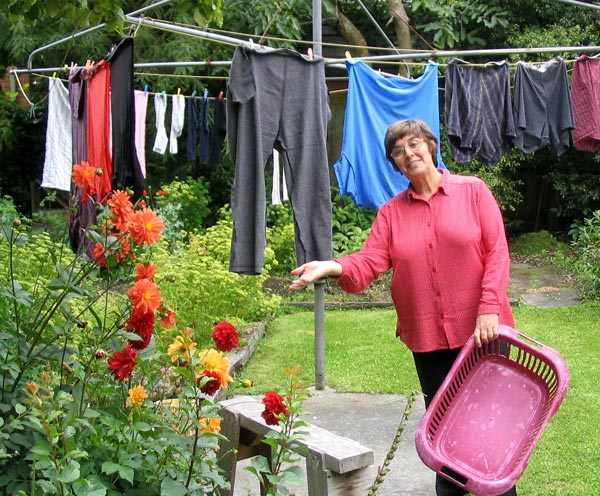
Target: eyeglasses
399 151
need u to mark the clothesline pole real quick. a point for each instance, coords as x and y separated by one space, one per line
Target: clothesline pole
319 296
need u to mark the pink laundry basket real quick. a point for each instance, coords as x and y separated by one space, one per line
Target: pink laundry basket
484 422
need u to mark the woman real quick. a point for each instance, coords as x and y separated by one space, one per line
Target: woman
444 239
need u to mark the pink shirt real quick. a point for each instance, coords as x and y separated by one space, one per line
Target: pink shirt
449 257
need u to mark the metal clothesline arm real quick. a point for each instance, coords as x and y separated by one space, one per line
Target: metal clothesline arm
436 54
87 31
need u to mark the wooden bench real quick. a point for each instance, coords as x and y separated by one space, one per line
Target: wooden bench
333 463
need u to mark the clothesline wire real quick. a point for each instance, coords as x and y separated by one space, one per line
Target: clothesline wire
403 56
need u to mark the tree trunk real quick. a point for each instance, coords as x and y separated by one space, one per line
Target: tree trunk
401 24
335 18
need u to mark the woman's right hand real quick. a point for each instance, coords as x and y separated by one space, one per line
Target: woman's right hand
311 272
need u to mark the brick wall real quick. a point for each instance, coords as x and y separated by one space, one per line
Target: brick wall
9 84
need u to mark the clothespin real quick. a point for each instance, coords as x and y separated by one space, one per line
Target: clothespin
145 88
193 95
54 75
348 55
310 53
220 95
163 92
251 41
178 91
205 96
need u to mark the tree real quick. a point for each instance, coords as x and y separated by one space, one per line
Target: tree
93 12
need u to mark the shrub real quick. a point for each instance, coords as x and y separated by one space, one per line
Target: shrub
586 263
86 370
190 200
351 225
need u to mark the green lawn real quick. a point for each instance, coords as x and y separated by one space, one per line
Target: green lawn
363 355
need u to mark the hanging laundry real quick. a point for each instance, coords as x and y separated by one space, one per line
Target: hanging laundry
177 120
98 127
374 102
141 108
203 129
479 117
126 170
279 192
278 99
57 163
160 109
192 134
82 215
218 132
542 107
585 94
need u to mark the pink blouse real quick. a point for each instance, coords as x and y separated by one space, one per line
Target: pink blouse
449 257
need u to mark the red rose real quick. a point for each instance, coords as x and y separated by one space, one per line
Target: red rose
141 323
122 363
273 406
225 336
212 386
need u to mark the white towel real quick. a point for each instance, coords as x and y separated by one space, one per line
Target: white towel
160 108
141 106
177 116
58 161
279 191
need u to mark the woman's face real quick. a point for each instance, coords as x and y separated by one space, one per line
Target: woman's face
412 156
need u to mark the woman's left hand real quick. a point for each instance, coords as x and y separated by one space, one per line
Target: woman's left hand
486 329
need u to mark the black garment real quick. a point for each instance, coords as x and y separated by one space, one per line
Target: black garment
218 133
432 368
126 167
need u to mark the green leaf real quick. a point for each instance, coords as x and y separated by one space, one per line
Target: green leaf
170 487
20 409
70 473
142 427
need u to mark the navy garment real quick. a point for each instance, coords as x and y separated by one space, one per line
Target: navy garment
374 102
479 117
192 134
278 99
218 133
203 130
542 107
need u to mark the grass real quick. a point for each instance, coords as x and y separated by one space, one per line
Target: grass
363 355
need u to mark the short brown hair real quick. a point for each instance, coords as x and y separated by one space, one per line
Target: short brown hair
416 127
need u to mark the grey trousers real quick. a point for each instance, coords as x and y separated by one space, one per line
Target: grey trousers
278 99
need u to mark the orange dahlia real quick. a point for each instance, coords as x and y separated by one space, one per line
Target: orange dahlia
145 227
144 296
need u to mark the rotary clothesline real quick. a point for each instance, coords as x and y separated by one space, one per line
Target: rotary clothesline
399 56
333 63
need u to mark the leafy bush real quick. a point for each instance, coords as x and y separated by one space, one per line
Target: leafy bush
78 416
351 225
190 200
281 236
586 263
537 244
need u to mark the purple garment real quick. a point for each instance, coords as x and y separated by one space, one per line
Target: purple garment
82 214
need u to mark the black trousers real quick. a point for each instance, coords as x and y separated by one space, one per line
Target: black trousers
432 368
